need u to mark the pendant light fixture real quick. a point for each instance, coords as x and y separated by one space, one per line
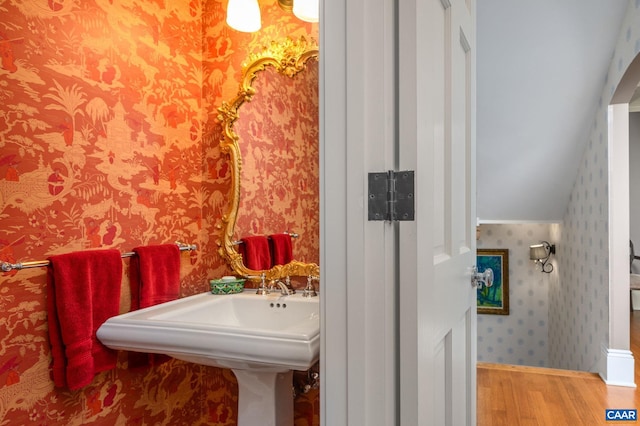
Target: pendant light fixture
243 15
307 10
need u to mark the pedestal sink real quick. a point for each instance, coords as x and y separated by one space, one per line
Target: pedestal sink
262 338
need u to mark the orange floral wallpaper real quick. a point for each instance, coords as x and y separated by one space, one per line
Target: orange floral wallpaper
108 140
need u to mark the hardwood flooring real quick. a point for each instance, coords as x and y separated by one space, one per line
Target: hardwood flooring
515 395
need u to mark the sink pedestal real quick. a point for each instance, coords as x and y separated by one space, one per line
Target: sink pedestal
265 397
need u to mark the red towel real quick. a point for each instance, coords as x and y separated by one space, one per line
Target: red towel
83 291
256 253
281 250
154 278
154 275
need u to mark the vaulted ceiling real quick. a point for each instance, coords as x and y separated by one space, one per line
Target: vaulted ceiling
541 68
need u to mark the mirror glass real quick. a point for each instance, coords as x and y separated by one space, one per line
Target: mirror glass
271 135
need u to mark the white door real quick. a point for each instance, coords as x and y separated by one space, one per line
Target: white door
437 251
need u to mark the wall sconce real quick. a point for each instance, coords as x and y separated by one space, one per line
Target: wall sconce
305 10
244 15
540 253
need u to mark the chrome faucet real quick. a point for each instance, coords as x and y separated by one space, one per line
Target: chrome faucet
284 290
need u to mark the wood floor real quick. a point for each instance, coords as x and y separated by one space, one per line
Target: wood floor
514 395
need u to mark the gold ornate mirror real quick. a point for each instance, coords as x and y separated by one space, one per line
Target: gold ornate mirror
270 131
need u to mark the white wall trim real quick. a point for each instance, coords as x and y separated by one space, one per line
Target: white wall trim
617 367
618 157
514 222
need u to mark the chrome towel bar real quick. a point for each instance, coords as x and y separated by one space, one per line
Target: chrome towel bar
292 234
6 266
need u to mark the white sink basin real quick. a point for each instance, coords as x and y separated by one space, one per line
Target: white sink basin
261 338
242 331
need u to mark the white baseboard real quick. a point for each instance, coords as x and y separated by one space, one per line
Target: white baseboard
617 367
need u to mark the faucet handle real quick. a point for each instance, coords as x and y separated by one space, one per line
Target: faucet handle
309 290
263 290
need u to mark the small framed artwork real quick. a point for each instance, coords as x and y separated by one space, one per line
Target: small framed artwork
495 299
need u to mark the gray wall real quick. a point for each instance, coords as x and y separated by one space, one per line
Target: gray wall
579 308
520 338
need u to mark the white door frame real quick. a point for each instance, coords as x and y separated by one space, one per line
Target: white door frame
617 362
357 298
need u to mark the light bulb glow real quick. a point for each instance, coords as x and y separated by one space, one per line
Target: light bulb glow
244 15
307 10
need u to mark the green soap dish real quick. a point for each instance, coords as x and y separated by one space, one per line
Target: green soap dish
227 286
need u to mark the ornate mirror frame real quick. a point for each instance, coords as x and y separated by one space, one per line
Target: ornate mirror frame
288 57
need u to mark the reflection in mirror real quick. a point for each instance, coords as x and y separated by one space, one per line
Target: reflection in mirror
278 133
271 135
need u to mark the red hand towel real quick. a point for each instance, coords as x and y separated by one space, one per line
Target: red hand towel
83 291
154 275
154 278
281 250
256 252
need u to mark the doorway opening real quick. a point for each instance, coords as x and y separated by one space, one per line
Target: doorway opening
619 229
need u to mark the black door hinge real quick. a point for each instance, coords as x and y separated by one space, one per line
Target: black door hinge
391 195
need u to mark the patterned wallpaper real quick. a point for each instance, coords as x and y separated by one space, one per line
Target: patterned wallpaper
579 308
520 338
108 139
280 153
